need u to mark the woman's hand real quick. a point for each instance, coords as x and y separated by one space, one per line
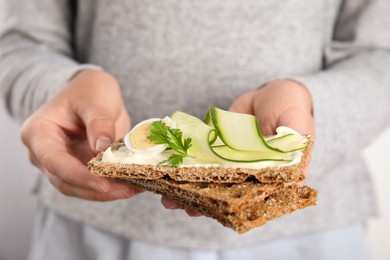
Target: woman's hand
65 133
279 103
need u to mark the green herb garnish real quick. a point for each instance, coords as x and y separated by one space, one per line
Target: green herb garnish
163 134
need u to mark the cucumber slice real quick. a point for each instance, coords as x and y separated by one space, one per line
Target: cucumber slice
217 142
287 143
201 136
275 137
239 131
208 120
250 156
233 139
287 140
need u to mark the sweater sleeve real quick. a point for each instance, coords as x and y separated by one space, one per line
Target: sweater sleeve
36 58
351 95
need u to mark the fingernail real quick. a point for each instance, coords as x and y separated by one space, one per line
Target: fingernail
118 194
98 186
102 143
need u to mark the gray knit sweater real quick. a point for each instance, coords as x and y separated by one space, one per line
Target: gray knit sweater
187 55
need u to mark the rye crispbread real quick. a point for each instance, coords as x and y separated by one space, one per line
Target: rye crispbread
239 206
277 174
237 198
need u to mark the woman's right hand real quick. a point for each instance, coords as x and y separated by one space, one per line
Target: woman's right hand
84 118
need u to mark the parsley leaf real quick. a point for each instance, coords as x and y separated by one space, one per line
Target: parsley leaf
163 134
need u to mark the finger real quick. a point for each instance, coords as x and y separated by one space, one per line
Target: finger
123 124
122 187
71 170
100 130
33 159
117 191
48 151
103 129
243 104
101 110
99 123
301 121
170 204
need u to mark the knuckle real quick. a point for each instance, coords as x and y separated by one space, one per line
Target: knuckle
33 160
59 184
46 161
26 129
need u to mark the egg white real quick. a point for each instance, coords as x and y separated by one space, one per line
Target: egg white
158 148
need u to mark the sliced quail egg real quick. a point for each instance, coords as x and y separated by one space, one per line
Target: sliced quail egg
137 139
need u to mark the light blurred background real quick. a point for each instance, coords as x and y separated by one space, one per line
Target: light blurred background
17 204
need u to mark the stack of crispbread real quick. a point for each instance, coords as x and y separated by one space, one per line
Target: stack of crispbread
238 198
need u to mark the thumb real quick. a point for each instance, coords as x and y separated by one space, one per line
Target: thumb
100 129
243 104
96 100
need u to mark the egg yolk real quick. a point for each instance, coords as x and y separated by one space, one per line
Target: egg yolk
139 137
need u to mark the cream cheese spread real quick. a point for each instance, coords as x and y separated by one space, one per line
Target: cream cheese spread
124 156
